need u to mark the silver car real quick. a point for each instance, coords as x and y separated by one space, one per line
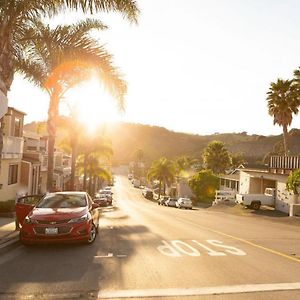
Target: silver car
184 203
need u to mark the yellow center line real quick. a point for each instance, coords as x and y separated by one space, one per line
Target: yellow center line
244 241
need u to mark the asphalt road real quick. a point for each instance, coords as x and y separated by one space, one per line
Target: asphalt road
151 251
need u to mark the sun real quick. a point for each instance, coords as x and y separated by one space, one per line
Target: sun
94 105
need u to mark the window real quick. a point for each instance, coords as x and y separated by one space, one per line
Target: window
12 174
17 127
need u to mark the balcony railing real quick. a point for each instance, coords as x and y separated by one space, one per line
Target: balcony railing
12 147
284 162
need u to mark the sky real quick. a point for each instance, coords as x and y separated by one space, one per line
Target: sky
194 66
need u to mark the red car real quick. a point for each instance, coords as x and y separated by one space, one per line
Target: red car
57 217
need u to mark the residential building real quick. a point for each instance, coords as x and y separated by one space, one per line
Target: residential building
13 143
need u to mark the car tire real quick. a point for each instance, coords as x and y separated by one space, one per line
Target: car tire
92 235
255 205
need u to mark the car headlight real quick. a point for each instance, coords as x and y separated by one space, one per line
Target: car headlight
28 220
80 219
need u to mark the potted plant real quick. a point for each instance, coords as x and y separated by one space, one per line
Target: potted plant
293 184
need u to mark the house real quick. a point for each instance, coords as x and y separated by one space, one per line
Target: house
255 181
31 164
13 143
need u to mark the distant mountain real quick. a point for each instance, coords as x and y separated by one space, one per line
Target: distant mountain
157 141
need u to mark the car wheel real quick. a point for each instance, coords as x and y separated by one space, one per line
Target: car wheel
92 235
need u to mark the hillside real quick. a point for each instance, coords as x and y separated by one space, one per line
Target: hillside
157 141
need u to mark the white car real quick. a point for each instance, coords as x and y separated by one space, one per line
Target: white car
184 203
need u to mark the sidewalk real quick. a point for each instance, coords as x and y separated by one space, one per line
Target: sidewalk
9 237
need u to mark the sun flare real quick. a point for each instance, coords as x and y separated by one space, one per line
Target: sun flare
94 105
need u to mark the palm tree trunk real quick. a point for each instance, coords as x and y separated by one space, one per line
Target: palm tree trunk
285 140
73 165
51 124
159 189
84 170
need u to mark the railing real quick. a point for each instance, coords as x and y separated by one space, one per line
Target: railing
12 147
284 162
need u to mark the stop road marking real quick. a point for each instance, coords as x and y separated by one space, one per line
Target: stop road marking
177 248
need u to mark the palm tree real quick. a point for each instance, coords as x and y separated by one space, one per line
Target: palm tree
91 167
282 104
162 170
216 157
17 17
58 59
72 129
88 148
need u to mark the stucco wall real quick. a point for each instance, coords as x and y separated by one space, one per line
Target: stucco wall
8 192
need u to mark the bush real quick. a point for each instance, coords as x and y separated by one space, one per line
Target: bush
293 182
204 184
7 206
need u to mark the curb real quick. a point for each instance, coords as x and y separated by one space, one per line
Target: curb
9 242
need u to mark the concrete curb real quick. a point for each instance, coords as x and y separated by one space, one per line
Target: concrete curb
9 242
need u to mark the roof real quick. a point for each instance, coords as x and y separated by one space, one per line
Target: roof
235 177
266 175
16 110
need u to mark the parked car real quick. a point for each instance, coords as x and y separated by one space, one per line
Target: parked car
58 217
184 203
108 194
163 199
171 202
101 200
147 193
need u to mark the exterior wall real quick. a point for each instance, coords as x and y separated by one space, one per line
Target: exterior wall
255 186
8 192
284 198
244 183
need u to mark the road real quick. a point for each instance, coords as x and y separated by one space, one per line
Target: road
148 251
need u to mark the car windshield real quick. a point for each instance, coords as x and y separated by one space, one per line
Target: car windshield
62 201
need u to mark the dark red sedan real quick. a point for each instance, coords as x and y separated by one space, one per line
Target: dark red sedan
57 217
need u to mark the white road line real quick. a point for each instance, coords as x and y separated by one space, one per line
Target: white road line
121 255
217 290
104 256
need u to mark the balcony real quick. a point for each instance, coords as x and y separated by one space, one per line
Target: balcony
12 147
284 164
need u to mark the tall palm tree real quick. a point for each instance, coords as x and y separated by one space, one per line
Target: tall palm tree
162 170
72 129
282 104
60 58
216 157
17 16
90 147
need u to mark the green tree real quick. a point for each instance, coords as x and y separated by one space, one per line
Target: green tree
60 58
282 104
216 157
91 146
162 170
204 184
293 182
17 19
237 159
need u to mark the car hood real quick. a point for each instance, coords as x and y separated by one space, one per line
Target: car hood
55 214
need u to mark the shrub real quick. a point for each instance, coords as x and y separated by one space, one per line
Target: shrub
293 182
204 184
